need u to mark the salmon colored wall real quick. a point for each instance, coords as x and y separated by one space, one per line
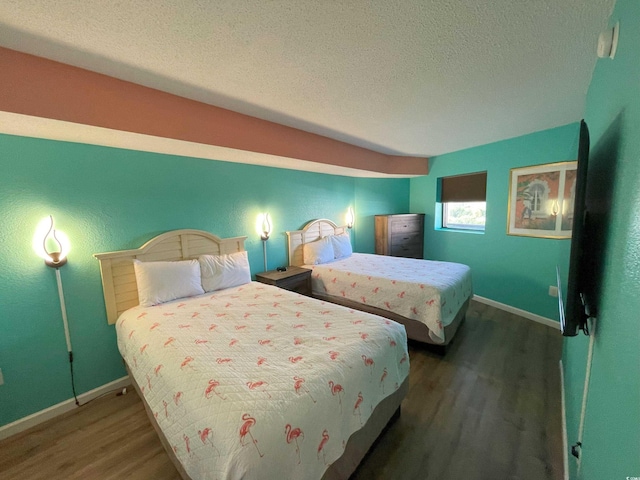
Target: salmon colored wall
39 87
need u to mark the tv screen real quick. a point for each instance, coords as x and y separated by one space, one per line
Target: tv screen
575 312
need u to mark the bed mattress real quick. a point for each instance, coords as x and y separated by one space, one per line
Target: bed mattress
258 382
427 291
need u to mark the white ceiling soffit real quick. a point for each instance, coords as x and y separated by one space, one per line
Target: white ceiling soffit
417 78
36 127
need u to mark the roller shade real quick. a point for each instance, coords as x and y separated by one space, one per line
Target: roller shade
471 187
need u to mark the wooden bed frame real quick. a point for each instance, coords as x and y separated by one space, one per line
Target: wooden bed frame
120 293
317 229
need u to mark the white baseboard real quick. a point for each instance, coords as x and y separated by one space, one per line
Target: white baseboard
62 407
523 313
565 438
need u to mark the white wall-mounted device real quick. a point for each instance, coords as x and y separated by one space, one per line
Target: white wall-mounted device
608 42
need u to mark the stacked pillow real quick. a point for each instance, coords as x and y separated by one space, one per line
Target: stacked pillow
327 249
341 245
160 282
320 251
224 271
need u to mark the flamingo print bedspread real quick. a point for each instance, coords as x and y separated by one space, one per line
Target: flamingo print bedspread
423 290
258 382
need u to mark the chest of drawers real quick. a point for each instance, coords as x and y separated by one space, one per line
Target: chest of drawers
400 235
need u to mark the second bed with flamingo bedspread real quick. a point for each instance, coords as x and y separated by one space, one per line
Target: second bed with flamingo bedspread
258 382
427 291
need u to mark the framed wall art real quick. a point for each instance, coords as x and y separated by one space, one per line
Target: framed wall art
541 200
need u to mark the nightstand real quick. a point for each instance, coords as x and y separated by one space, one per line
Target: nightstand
295 279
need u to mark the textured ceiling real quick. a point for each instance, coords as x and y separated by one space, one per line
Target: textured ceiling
417 78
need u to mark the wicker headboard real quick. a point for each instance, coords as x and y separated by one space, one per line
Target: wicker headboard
118 276
312 231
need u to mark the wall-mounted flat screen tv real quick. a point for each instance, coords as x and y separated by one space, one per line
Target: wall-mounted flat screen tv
579 305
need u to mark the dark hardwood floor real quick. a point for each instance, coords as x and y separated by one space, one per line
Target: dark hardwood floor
489 409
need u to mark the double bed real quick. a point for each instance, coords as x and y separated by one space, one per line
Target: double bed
429 298
252 381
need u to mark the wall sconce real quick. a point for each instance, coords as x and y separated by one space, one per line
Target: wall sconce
264 229
350 217
265 226
53 246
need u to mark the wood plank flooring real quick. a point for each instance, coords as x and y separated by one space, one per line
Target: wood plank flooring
488 409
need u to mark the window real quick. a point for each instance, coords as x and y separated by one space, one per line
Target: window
464 215
462 200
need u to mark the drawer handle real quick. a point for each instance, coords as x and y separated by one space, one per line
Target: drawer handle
406 238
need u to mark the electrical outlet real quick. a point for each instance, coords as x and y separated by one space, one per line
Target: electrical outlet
1 378
553 291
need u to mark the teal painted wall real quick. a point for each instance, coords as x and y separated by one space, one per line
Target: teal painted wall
611 442
516 271
375 196
109 199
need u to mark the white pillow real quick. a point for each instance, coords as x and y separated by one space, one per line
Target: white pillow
224 271
341 245
320 251
159 282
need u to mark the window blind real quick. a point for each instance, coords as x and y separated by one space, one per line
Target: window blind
470 187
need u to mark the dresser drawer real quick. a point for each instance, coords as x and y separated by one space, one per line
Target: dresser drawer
409 251
401 225
406 239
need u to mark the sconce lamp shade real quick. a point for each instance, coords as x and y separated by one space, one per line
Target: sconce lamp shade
51 244
264 222
350 218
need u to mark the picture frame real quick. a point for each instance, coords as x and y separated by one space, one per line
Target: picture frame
541 199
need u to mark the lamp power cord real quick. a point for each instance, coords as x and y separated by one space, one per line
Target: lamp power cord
73 382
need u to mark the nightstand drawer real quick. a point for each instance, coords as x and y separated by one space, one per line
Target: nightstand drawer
295 279
299 284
